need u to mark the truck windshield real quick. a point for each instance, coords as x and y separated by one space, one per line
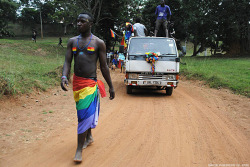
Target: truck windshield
161 46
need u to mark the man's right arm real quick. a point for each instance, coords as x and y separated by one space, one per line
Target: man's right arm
156 11
135 31
67 65
145 31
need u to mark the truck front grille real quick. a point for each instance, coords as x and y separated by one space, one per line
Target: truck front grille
157 77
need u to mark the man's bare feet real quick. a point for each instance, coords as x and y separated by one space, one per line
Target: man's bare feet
87 142
78 156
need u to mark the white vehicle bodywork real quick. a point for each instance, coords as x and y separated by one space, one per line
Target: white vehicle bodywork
138 70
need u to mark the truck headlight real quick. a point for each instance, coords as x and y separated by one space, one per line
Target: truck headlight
170 77
133 76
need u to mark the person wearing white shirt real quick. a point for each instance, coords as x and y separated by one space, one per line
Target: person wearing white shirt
139 29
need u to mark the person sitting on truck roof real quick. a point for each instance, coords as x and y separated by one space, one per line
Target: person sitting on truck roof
139 29
129 29
163 12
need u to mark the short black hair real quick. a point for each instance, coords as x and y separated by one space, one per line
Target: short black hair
89 14
137 19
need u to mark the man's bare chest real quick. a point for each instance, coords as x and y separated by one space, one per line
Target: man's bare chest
84 48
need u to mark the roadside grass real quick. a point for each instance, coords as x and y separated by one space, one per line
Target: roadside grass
26 65
219 72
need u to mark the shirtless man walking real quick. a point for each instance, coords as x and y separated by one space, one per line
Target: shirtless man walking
86 49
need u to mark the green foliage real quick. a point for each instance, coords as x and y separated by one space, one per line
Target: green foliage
218 20
26 65
206 22
218 72
7 13
148 14
47 12
30 16
65 11
202 22
234 26
114 15
31 13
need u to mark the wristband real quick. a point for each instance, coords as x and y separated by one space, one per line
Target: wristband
64 77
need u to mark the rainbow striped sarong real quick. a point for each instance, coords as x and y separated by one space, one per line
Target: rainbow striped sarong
86 94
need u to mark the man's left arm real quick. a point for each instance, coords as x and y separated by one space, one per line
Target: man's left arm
104 67
135 31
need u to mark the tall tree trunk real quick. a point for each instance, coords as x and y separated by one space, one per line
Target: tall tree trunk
216 47
201 49
65 29
41 24
195 47
114 46
248 38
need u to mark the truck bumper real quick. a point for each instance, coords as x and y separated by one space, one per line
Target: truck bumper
151 83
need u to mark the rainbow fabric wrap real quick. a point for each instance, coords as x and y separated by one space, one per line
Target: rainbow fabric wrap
86 95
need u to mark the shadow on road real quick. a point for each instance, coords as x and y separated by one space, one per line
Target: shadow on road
148 92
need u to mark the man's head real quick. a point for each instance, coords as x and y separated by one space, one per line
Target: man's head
162 2
89 15
84 22
138 20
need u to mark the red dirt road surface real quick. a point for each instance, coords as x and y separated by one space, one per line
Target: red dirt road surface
195 127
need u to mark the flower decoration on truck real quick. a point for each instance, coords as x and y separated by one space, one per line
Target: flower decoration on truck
151 57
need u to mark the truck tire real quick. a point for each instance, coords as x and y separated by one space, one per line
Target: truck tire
129 89
169 91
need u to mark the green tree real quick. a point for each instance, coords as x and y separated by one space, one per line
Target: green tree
7 13
148 14
45 9
65 12
114 15
234 25
29 16
211 21
111 17
198 23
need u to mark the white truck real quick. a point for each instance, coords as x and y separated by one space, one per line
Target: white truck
138 71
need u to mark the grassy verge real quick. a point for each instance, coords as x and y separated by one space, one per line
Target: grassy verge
232 73
26 65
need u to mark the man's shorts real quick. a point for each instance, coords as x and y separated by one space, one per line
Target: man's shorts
158 23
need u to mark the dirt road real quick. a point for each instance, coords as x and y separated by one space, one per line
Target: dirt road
195 127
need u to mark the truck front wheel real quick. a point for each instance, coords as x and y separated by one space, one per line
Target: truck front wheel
129 89
169 91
